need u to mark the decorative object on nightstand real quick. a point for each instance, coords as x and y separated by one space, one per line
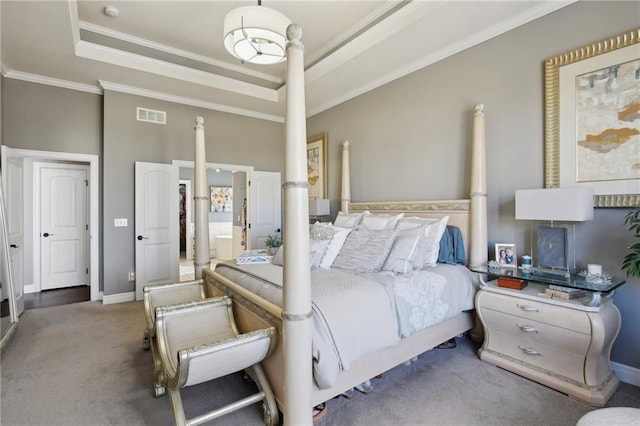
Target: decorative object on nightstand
555 243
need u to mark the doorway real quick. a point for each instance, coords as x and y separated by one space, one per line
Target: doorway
30 256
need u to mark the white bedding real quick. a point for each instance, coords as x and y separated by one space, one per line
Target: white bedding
356 314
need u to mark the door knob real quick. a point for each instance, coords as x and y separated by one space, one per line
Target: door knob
14 246
140 238
46 234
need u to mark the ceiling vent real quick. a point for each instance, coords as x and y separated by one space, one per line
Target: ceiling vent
151 115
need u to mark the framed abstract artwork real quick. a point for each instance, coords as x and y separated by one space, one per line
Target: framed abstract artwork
592 120
317 165
221 199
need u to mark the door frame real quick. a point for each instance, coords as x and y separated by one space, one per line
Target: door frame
94 213
37 216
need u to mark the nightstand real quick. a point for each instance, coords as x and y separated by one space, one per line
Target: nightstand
563 344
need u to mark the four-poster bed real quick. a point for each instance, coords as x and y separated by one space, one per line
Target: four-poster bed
254 310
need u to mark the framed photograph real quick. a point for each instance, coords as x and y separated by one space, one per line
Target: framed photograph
506 255
591 120
317 165
221 199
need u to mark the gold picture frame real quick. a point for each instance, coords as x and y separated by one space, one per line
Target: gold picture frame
560 74
317 165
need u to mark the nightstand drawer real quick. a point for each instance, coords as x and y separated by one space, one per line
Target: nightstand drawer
553 359
539 332
530 309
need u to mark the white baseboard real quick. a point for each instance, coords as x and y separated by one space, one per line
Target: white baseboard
29 288
626 374
108 299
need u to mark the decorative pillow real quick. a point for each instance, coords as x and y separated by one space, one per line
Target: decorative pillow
407 254
365 250
348 220
380 221
317 249
432 234
335 237
278 258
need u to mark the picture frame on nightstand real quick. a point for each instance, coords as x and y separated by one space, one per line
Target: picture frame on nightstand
506 255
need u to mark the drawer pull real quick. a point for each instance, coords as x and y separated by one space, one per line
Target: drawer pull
529 351
527 328
527 308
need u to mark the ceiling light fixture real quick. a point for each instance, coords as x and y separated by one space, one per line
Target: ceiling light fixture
256 34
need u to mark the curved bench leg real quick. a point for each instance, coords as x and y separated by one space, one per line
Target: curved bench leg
159 388
270 413
176 405
145 340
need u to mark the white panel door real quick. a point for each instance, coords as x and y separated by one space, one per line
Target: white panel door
63 226
157 224
15 223
263 207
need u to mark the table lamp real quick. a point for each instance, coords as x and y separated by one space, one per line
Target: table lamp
319 207
555 241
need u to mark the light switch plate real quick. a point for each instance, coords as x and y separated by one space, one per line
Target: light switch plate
120 222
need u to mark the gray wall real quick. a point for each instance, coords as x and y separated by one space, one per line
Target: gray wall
410 138
230 139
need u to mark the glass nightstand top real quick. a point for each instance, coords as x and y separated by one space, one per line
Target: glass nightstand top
578 281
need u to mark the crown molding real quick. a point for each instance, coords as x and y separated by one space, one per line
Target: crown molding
176 52
450 50
50 81
123 88
112 56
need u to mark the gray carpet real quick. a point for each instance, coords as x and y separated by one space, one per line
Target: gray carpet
82 364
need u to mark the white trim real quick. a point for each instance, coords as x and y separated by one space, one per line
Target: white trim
86 26
123 88
230 167
94 196
626 373
113 56
450 50
50 81
110 299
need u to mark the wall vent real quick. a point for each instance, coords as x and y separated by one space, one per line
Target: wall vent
151 115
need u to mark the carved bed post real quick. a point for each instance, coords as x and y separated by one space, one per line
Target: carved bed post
201 203
346 179
478 241
296 271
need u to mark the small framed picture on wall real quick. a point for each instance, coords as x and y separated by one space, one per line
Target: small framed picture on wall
506 255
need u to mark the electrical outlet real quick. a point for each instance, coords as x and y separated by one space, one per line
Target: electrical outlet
120 223
132 276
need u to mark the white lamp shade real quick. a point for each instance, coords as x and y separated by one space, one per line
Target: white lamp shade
571 204
319 207
256 34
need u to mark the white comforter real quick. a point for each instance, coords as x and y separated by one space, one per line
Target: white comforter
355 315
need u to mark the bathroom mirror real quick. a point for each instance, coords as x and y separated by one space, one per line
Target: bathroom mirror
8 313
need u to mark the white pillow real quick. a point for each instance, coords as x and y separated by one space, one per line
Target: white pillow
412 222
348 220
406 254
365 250
335 237
433 233
379 222
317 250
